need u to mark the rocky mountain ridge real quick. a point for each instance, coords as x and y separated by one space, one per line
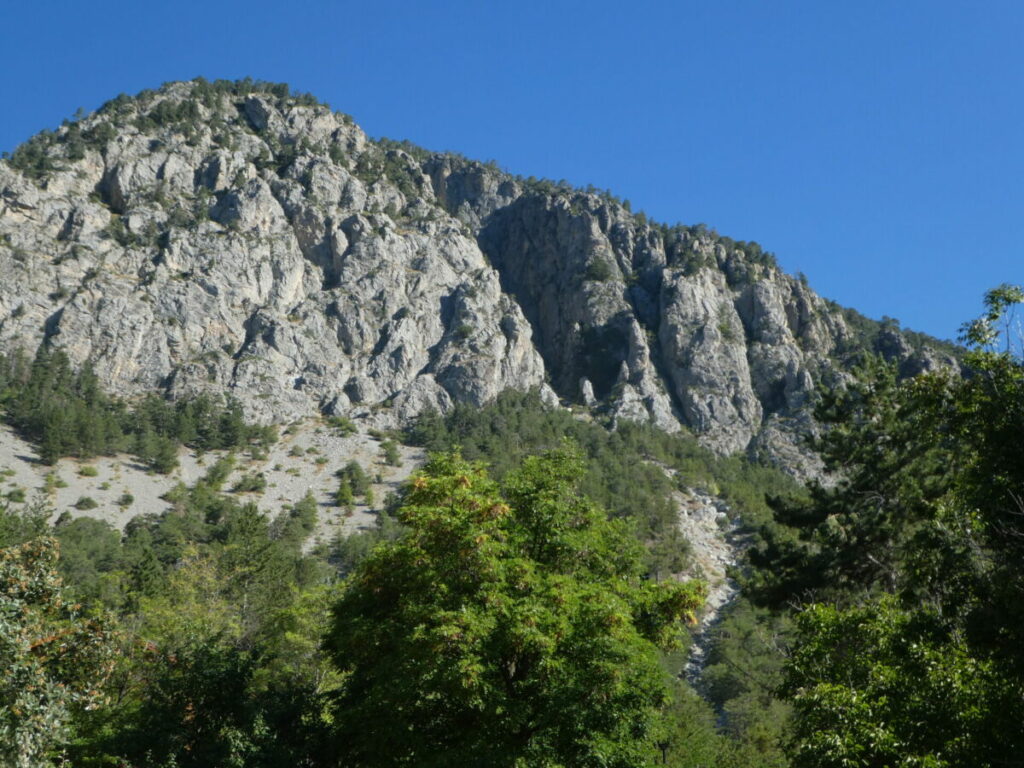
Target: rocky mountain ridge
233 237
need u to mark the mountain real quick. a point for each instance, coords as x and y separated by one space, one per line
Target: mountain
234 237
205 249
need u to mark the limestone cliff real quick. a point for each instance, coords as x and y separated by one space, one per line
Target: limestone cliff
232 237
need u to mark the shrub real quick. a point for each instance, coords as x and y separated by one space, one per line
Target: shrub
598 271
250 483
353 476
344 425
391 455
343 497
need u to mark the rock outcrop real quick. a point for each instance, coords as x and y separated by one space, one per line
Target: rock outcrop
231 238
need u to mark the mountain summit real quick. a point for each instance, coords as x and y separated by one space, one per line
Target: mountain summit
234 237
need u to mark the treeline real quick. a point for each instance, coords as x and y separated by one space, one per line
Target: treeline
866 333
65 413
631 470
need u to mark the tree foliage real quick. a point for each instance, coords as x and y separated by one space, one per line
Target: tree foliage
878 684
66 413
221 615
916 659
510 626
53 660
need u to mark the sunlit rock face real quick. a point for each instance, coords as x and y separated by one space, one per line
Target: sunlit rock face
234 239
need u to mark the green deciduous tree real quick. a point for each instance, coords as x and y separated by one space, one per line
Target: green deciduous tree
53 661
880 685
507 627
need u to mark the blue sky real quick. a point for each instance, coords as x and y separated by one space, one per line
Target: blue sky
875 146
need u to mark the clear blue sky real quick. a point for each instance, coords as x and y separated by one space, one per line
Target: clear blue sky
877 146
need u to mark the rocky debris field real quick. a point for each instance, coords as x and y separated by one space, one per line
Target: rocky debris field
711 528
117 488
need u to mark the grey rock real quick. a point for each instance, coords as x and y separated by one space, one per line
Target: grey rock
587 392
267 249
701 336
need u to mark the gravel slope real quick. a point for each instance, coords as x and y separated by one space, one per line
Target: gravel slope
303 460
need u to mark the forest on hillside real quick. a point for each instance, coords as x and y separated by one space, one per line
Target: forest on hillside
516 604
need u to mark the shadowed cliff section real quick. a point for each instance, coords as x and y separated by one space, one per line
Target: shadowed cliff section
669 324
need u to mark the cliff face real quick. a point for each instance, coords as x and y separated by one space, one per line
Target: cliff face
232 238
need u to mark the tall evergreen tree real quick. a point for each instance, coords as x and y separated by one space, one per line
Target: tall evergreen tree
919 658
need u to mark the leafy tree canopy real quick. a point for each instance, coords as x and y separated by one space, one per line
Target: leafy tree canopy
510 626
52 659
